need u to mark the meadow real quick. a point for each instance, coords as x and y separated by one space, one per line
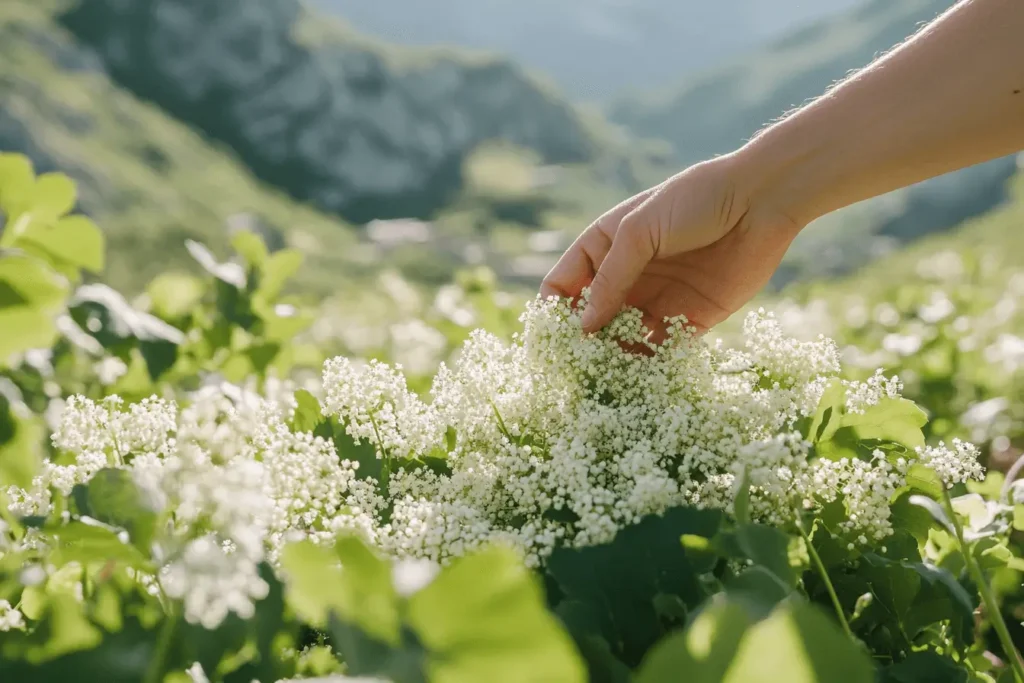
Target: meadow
223 479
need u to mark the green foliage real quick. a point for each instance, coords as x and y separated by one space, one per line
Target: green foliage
694 594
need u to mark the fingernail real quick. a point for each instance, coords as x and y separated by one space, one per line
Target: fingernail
588 319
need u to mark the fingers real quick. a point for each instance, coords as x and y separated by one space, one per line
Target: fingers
581 261
631 250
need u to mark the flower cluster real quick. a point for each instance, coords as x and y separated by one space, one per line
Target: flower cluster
231 482
564 438
556 439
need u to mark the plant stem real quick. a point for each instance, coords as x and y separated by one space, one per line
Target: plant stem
995 615
155 673
820 566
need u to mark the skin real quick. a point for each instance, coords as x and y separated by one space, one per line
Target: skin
705 241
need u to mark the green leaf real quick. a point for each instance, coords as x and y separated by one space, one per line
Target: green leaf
602 665
308 413
621 580
351 582
891 419
769 548
73 240
93 544
797 643
250 246
20 436
483 619
1018 517
925 667
31 296
52 196
934 509
277 270
705 650
829 413
174 295
926 480
112 497
17 178
69 655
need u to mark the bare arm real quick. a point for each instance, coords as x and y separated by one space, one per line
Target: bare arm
950 97
705 241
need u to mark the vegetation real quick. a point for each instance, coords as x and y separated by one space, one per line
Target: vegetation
183 502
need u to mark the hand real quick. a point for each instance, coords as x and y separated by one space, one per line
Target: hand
700 244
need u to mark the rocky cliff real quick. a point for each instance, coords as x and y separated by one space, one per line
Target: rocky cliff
327 116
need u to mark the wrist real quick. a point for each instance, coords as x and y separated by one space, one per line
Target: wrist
784 173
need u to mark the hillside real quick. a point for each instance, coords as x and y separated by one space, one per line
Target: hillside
591 48
148 180
350 126
717 111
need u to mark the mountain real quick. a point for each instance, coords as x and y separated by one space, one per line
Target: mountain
718 110
346 124
150 181
591 48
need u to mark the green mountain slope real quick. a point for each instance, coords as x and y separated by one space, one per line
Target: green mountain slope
718 111
353 127
148 180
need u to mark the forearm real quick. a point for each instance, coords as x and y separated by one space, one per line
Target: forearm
950 97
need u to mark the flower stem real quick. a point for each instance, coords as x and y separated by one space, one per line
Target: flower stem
988 599
820 566
155 673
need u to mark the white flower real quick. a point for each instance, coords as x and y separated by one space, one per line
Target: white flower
11 619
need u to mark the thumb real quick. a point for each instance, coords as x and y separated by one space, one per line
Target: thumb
632 249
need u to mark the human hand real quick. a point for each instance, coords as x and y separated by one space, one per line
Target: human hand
700 244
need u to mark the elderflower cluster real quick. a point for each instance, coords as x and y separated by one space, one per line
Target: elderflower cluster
564 439
228 479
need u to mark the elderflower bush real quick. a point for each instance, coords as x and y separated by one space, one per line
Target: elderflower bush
562 439
379 513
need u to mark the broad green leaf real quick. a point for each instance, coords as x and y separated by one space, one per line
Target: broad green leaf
829 413
17 178
704 651
250 246
350 582
26 280
891 419
69 652
112 497
768 547
798 644
926 480
621 580
934 509
173 295
278 268
307 412
93 544
21 434
372 602
483 619
72 240
924 667
52 196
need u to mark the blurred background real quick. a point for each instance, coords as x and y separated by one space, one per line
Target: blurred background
427 136
416 166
